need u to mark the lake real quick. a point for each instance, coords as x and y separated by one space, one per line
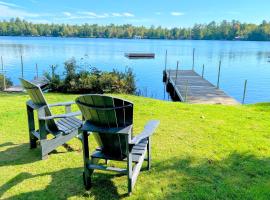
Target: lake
240 61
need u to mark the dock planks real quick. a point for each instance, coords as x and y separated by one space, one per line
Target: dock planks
192 88
42 82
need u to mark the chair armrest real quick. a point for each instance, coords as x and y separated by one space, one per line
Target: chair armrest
87 126
32 105
72 114
149 129
62 104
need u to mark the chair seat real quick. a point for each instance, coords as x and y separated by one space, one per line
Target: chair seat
68 125
137 151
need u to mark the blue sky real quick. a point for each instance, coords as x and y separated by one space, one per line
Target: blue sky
169 13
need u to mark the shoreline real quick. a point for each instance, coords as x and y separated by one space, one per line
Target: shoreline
160 39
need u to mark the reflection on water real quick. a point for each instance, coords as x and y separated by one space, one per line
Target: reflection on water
240 61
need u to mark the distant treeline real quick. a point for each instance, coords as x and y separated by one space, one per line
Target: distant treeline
225 30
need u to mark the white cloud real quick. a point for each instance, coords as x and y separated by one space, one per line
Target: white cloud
87 13
177 13
158 13
8 4
92 15
9 12
116 14
105 15
68 14
126 14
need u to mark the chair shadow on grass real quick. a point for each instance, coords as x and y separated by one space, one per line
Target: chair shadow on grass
239 176
17 154
64 184
6 144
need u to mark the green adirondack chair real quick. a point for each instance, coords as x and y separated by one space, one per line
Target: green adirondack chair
110 120
63 127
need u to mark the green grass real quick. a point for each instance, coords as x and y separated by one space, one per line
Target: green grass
198 152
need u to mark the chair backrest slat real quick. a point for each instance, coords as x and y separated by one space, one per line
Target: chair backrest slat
106 117
109 112
38 98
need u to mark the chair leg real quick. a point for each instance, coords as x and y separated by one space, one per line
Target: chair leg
43 138
129 174
32 141
31 127
44 149
149 154
87 181
87 172
129 167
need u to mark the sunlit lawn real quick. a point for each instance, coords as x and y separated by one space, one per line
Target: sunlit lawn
198 152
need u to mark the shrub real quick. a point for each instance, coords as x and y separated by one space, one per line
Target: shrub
92 81
89 82
7 81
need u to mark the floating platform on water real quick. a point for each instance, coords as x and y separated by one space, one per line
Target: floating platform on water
42 82
188 86
140 55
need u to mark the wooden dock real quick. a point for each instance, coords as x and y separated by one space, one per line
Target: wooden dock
189 86
42 82
14 88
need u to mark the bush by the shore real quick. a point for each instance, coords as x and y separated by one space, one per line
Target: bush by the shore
92 81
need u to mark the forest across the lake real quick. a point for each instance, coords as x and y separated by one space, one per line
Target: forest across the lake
225 30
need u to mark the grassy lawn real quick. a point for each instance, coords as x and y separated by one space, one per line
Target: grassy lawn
198 152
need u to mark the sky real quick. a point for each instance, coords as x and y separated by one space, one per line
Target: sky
165 13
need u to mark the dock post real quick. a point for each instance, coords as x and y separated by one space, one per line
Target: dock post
53 70
2 65
203 71
37 70
218 74
4 78
193 59
176 73
164 92
186 91
22 65
165 68
244 94
166 54
145 89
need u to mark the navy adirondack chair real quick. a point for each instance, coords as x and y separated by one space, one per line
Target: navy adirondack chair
111 121
63 127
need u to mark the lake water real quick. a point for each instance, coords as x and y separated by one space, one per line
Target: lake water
240 61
